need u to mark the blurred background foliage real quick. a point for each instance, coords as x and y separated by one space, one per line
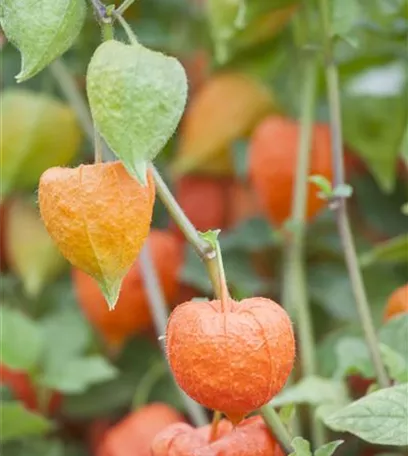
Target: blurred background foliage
44 332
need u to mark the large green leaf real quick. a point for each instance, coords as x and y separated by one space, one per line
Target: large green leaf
41 29
21 340
379 418
137 97
38 132
18 422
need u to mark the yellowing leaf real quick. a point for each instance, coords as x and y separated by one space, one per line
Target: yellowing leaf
32 254
37 132
42 30
227 108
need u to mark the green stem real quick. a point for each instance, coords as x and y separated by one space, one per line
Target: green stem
280 432
124 6
343 224
203 248
126 27
295 281
159 312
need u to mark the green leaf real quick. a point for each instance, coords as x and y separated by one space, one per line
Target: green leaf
28 148
18 422
396 364
301 447
312 390
394 334
323 184
32 254
76 375
286 414
379 418
404 207
21 340
42 30
137 97
374 134
251 235
345 14
390 251
353 358
329 448
70 335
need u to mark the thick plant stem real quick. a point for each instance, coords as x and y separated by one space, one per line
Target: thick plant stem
295 282
158 309
280 432
343 224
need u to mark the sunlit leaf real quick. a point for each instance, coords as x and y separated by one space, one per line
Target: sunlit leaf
379 418
137 97
42 30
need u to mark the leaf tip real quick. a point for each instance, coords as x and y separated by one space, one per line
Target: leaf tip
139 172
110 292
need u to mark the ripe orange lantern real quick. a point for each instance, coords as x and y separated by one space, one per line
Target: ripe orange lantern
131 314
250 438
135 433
231 356
272 166
397 303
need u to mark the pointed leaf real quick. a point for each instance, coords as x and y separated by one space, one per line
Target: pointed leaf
379 418
301 447
328 449
28 148
21 340
42 30
137 97
31 253
18 422
110 290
